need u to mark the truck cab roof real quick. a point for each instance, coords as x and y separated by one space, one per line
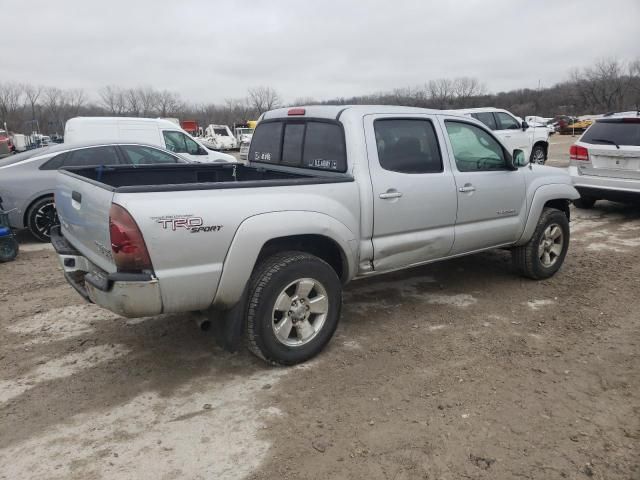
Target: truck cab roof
336 112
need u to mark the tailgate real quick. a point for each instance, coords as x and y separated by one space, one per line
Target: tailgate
83 209
608 161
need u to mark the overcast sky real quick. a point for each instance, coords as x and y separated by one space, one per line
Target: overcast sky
212 50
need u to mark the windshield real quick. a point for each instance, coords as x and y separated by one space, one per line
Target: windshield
221 131
614 131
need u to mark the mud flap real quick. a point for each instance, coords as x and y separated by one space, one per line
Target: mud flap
228 326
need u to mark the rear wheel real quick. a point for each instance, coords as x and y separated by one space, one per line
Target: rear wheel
545 252
41 218
293 309
585 202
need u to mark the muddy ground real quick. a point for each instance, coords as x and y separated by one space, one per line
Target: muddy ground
456 370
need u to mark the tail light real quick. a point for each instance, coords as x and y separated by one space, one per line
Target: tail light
576 152
127 244
296 111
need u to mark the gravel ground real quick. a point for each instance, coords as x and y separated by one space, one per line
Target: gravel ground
455 370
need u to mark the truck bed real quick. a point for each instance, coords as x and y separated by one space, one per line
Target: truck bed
162 178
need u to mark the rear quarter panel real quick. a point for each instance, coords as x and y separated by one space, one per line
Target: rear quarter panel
189 263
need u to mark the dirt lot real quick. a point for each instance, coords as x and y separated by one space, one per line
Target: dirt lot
456 370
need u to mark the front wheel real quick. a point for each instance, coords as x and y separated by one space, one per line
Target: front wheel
538 155
545 252
293 307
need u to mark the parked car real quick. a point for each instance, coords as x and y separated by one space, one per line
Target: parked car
330 194
514 132
605 161
27 180
153 131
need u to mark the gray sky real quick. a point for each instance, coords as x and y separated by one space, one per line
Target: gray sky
212 50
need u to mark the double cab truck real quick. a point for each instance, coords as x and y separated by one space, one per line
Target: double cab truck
330 194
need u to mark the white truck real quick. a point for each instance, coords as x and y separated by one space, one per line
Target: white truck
331 194
514 132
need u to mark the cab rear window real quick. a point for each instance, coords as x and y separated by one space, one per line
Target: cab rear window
306 144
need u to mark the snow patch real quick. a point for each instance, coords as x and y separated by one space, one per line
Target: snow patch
212 434
62 367
461 300
61 323
538 304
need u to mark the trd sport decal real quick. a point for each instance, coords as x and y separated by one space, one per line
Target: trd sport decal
188 222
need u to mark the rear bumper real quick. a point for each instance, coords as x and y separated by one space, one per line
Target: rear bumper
127 294
604 187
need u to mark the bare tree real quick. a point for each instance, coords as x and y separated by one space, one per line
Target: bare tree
148 100
263 99
74 100
133 102
168 103
10 101
113 99
33 94
465 88
441 92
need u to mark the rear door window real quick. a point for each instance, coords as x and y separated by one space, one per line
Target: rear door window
617 131
408 146
308 144
55 163
487 118
92 156
141 155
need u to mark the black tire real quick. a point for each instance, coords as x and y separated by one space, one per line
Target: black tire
8 249
585 202
267 283
41 217
527 259
538 154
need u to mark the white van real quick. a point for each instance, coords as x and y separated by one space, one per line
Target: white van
154 131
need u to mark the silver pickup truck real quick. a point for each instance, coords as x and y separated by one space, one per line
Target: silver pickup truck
330 194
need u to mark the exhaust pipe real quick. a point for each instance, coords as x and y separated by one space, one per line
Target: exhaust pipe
203 321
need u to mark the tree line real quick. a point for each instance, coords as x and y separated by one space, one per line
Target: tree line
608 85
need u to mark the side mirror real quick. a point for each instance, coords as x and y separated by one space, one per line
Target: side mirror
525 125
519 158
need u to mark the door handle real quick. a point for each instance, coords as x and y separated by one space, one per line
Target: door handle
76 196
467 188
390 194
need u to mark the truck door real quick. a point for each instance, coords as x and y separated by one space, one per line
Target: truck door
491 196
509 130
414 195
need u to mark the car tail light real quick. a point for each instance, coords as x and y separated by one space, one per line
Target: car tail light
296 111
576 152
129 250
631 120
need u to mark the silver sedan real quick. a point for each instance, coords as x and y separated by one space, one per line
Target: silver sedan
27 180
